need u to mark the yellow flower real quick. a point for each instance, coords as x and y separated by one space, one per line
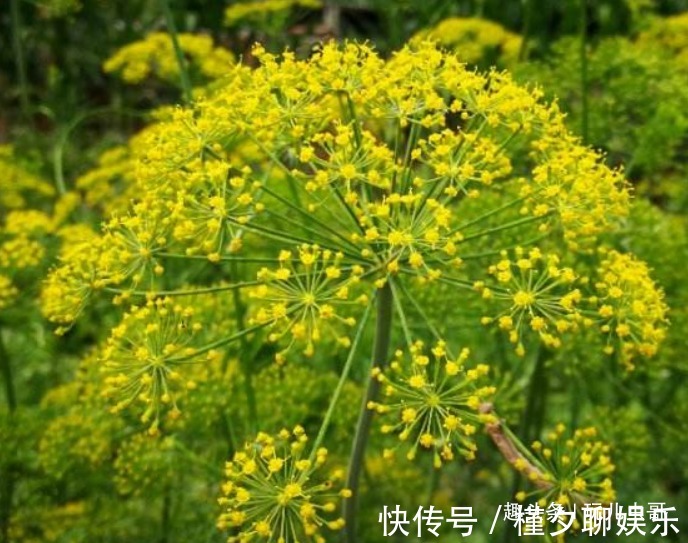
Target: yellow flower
283 504
438 407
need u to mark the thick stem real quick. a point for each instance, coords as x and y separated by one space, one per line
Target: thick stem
433 484
179 54
383 332
19 60
332 18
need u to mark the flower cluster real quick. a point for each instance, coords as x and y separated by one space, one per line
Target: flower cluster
476 41
154 55
255 10
540 293
569 469
145 462
144 354
574 185
326 178
17 180
630 305
68 288
274 493
432 402
304 295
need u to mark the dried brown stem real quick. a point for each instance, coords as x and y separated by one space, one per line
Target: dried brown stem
510 452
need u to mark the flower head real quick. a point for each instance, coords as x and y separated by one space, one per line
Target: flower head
431 401
630 306
144 354
275 493
541 296
572 468
303 297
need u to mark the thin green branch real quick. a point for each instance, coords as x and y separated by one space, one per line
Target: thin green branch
246 362
342 380
178 53
183 292
19 59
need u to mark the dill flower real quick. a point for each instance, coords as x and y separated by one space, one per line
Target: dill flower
145 464
569 469
476 41
256 10
630 306
275 493
209 215
155 55
303 296
331 176
431 401
144 354
573 183
68 288
80 437
541 295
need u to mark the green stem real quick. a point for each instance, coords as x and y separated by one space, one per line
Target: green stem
584 68
8 476
6 499
433 484
383 330
19 59
179 54
340 385
63 138
527 25
533 417
6 370
402 315
222 342
246 362
531 424
165 515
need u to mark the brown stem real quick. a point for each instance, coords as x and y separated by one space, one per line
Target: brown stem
510 452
